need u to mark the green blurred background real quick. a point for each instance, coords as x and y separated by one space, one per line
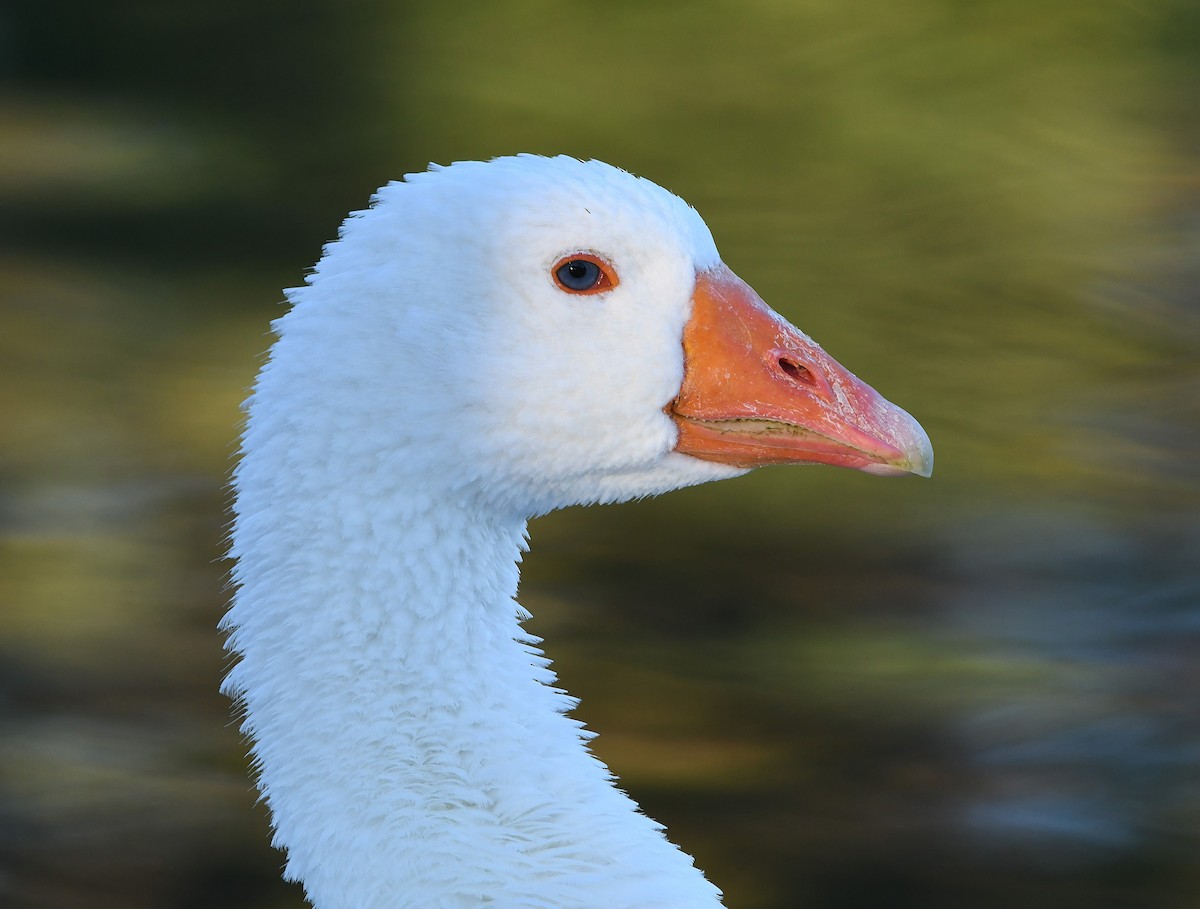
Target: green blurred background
835 690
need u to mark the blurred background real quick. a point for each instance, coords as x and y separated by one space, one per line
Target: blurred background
835 690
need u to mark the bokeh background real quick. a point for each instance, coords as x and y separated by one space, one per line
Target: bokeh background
837 691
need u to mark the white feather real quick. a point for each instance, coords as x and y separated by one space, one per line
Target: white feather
430 390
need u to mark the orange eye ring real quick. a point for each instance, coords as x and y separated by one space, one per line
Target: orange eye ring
583 274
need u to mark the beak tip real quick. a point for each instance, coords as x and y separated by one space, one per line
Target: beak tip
916 450
919 452
919 460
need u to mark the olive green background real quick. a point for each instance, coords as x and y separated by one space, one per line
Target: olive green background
836 690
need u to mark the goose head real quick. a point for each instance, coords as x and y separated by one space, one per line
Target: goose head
539 332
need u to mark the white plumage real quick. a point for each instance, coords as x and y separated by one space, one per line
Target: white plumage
433 387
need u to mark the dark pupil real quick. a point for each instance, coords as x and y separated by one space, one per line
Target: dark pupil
579 274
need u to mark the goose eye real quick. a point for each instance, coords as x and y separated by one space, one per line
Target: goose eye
582 273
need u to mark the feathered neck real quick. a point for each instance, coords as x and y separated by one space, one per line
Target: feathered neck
409 741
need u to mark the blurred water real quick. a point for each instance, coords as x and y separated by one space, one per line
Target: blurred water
835 690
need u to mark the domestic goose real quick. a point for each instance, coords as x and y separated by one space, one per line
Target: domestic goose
485 343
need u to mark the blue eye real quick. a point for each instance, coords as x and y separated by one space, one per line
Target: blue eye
583 273
579 274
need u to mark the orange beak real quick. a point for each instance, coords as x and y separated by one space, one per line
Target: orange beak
758 391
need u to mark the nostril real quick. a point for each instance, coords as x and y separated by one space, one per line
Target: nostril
797 371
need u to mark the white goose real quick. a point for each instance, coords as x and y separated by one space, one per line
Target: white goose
484 344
